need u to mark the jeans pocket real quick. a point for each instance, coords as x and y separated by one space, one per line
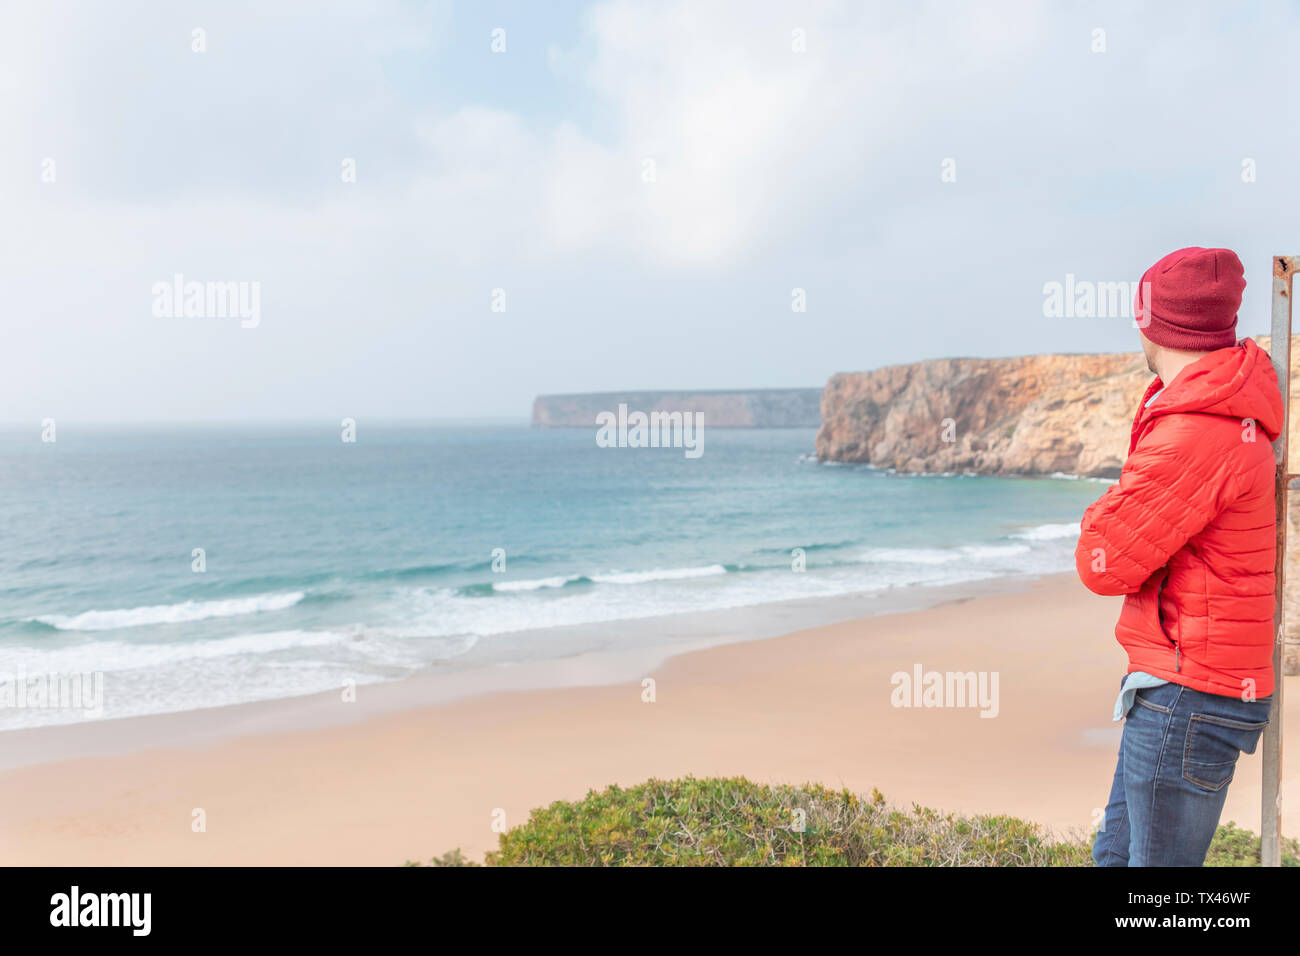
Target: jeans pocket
1213 745
1139 699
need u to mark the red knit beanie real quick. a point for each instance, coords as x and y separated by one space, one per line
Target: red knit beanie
1195 295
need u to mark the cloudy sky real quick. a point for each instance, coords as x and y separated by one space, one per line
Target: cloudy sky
792 145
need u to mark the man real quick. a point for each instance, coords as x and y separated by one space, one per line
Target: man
1188 537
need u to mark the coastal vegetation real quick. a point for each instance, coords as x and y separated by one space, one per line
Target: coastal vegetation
736 822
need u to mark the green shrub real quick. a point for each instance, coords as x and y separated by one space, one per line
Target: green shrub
1233 847
450 858
735 822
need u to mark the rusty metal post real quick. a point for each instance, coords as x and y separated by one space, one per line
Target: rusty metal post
1280 351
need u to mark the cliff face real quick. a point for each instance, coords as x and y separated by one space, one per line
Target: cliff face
755 408
1033 415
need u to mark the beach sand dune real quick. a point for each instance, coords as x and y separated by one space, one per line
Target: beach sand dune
814 705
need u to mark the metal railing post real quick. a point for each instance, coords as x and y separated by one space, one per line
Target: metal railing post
1280 352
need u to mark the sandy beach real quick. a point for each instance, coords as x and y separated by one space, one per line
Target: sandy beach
401 775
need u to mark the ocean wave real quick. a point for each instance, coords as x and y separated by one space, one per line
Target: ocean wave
965 552
556 582
446 611
414 571
410 647
667 574
809 548
1049 532
327 596
541 583
1066 476
908 556
181 613
982 551
417 571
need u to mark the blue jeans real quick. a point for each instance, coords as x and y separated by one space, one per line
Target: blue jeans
1176 759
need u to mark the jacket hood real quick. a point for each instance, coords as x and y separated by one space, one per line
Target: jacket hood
1236 382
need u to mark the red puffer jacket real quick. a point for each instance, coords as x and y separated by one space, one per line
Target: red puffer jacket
1189 533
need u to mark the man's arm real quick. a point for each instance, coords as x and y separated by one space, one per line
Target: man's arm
1173 484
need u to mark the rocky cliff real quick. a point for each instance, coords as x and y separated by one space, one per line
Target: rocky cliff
1040 414
1036 415
750 408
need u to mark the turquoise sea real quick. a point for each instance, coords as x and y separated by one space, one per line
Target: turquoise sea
325 561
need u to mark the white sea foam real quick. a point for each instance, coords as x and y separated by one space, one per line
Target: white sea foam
396 645
666 574
170 613
534 585
115 655
161 677
611 577
1049 532
1064 476
446 611
964 553
910 556
981 552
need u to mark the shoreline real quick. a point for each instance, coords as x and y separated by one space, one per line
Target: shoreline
658 638
811 705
